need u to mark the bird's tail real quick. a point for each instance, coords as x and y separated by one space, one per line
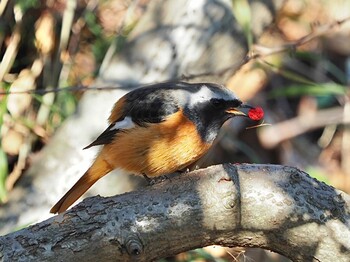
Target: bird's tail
98 169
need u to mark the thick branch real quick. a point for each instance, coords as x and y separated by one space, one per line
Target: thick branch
273 207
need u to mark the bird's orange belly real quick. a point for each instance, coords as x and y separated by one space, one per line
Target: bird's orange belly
157 149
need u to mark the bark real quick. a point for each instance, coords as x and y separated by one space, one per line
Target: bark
174 38
273 207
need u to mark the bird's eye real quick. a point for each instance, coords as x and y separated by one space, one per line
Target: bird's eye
216 103
236 103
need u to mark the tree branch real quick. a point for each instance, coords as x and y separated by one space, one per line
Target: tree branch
273 207
271 136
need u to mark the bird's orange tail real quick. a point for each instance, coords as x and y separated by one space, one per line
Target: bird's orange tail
98 169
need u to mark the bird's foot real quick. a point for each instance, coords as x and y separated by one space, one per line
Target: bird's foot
154 180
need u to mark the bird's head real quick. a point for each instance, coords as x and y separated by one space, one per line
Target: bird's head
209 106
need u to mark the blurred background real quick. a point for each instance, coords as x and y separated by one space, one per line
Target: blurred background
58 58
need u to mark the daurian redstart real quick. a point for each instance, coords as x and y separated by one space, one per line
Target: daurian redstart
157 130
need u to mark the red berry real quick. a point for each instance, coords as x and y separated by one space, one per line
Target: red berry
256 113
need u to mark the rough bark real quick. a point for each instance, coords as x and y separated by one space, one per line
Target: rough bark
174 38
273 207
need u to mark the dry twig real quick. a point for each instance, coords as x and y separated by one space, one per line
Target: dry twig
258 52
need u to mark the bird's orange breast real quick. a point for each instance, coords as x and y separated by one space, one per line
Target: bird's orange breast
156 149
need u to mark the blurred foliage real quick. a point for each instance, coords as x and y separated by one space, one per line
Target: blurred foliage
241 10
318 174
25 5
3 175
101 41
65 47
311 90
3 157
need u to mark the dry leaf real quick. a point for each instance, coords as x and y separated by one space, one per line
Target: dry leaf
11 142
45 34
17 104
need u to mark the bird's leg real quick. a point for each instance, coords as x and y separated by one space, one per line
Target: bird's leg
147 178
197 167
181 171
188 169
154 180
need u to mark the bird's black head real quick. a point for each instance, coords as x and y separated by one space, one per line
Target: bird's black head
209 107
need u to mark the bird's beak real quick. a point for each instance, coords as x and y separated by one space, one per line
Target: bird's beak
236 112
241 110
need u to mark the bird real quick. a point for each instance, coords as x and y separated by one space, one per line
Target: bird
156 130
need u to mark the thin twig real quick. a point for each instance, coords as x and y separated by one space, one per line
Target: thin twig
12 49
257 52
3 5
261 51
271 136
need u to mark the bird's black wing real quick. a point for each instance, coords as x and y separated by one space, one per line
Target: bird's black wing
150 104
105 138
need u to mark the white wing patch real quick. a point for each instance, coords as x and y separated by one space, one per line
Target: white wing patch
126 123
